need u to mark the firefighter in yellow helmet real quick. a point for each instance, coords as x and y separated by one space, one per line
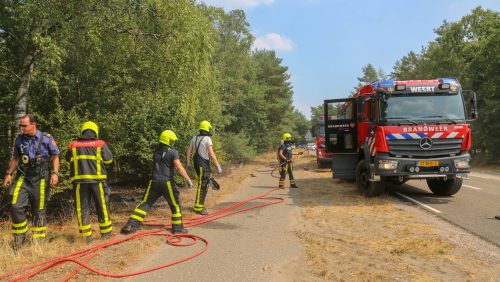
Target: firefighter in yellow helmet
286 161
165 162
201 146
88 157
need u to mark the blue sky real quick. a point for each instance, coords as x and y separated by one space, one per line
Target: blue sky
325 43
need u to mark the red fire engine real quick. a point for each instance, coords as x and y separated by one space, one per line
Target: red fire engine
393 131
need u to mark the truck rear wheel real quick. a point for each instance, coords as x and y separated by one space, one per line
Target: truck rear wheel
444 187
366 187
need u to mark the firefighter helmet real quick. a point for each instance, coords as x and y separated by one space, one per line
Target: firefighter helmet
168 138
287 137
205 125
90 125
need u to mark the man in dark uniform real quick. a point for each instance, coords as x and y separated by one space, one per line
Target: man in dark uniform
285 159
165 162
33 151
88 156
201 145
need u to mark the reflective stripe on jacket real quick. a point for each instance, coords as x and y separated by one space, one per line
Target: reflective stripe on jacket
87 158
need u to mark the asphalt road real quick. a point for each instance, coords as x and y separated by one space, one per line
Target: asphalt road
251 246
473 208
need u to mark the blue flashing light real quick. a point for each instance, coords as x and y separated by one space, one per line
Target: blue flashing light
450 80
383 84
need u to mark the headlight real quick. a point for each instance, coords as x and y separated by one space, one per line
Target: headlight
388 164
462 163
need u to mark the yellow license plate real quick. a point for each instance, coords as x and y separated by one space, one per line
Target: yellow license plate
428 163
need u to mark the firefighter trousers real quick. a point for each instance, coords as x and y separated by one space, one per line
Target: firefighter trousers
156 189
84 193
286 167
33 191
203 170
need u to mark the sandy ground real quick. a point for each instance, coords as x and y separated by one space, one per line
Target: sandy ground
341 236
348 237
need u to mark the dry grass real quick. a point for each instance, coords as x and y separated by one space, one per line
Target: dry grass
114 259
348 237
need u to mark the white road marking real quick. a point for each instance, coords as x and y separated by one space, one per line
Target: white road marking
471 187
418 203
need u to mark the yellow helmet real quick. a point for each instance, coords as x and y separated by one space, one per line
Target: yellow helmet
168 138
205 125
90 125
287 137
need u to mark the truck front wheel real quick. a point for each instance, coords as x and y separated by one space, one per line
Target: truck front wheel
366 187
443 187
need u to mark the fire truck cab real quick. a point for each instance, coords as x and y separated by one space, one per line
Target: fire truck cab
393 131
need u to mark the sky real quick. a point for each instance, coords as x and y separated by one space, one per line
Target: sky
325 43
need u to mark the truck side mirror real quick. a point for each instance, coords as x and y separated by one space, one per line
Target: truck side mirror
473 114
361 101
361 104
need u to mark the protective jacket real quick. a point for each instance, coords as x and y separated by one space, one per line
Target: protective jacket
87 158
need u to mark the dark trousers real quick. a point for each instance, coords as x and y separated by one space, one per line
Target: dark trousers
156 189
99 193
33 191
203 170
284 169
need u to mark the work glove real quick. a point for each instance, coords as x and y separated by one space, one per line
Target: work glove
219 169
190 183
288 161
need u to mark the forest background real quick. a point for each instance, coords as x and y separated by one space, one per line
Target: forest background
139 67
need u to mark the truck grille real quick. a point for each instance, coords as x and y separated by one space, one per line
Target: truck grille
441 147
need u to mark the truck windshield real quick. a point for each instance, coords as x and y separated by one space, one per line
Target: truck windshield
446 108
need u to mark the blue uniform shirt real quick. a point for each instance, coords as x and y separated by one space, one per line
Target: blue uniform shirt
26 145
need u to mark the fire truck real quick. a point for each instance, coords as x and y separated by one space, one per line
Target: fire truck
393 131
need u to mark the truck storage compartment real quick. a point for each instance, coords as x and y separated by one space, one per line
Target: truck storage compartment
344 165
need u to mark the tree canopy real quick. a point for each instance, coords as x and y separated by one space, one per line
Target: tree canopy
137 68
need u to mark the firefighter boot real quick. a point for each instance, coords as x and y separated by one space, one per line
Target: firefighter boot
19 240
179 229
129 229
89 239
202 212
106 236
39 241
294 186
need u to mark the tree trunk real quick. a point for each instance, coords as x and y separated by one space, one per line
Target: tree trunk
22 93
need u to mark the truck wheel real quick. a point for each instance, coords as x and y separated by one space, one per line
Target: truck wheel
444 187
366 187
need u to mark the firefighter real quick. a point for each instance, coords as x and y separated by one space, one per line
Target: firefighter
33 152
201 146
285 159
165 160
87 157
